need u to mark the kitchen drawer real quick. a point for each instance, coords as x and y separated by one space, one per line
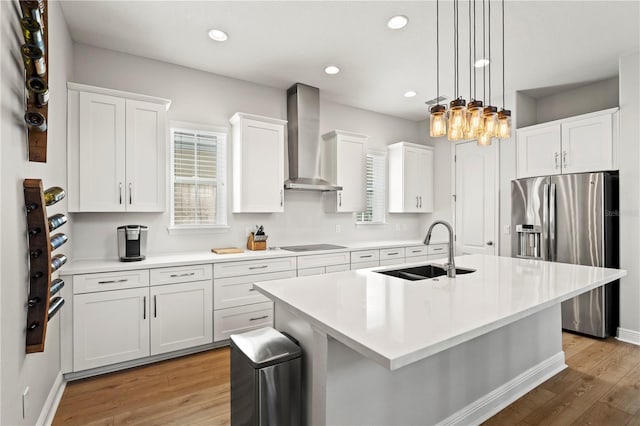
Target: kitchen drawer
437 249
240 319
391 253
365 256
237 291
362 265
88 283
315 260
318 270
181 274
393 261
337 268
416 251
414 259
252 267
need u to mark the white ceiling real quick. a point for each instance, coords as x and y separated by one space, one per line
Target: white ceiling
277 43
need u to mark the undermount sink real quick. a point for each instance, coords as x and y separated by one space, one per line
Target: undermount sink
422 272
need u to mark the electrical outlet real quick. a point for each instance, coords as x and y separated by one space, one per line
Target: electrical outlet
25 402
338 229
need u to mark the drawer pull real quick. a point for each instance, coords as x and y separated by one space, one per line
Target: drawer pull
438 249
258 267
393 254
259 318
144 307
123 280
188 274
365 256
416 251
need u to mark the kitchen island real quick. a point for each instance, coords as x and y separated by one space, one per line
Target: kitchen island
384 350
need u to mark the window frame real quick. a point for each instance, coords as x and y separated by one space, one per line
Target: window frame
221 134
359 216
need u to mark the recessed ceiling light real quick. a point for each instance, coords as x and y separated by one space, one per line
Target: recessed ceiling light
332 69
397 22
481 63
409 94
218 35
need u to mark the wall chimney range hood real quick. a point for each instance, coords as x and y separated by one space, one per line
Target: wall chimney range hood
303 115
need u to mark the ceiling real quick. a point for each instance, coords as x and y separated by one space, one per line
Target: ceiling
277 43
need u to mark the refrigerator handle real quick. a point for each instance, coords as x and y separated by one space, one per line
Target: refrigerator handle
544 250
552 223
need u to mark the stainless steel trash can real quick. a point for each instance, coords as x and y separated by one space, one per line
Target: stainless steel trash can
266 369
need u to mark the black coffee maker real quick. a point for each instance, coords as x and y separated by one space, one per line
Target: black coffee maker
132 242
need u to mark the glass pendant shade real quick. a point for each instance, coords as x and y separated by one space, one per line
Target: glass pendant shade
484 139
504 124
475 121
437 121
457 122
490 115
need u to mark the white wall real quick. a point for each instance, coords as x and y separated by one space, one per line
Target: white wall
207 98
18 370
630 196
581 100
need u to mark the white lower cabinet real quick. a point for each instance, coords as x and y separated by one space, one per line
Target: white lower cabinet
240 319
181 316
110 327
317 264
238 307
151 317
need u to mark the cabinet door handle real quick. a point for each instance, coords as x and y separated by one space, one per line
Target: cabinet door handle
438 249
564 159
416 201
130 196
421 201
259 318
188 274
416 251
281 198
556 157
365 256
144 307
123 280
395 253
155 306
259 267
339 199
120 192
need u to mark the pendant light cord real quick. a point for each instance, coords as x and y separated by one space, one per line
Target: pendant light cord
503 102
470 86
484 53
475 80
437 52
455 48
489 39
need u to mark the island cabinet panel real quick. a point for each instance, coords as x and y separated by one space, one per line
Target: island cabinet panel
181 316
258 163
116 150
110 327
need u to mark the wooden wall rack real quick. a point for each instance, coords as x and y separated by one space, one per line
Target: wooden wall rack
37 139
41 304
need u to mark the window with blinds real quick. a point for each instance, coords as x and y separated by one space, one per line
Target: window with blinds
375 175
199 178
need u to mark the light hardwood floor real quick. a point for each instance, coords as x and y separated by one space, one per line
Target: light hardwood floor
600 387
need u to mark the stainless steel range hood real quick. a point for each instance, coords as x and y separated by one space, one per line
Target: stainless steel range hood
303 115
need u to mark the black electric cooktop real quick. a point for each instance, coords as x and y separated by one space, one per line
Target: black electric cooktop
312 247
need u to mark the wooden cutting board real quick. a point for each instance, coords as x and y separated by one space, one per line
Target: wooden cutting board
227 250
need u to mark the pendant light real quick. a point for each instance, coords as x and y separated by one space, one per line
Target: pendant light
475 122
437 118
489 113
457 108
504 116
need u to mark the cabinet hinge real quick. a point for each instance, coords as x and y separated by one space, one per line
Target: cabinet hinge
455 158
454 198
455 238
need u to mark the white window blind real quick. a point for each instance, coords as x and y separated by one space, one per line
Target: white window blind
375 186
199 178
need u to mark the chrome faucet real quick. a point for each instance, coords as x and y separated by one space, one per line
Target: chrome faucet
450 266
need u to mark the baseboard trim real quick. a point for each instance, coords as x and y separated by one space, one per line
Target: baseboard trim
629 336
490 404
53 400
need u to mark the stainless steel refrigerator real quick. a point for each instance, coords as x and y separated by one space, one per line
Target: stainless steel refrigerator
572 219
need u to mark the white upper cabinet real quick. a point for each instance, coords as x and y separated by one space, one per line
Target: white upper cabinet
258 163
116 149
584 143
345 162
410 178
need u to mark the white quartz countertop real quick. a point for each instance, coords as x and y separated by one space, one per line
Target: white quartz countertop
396 322
85 266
